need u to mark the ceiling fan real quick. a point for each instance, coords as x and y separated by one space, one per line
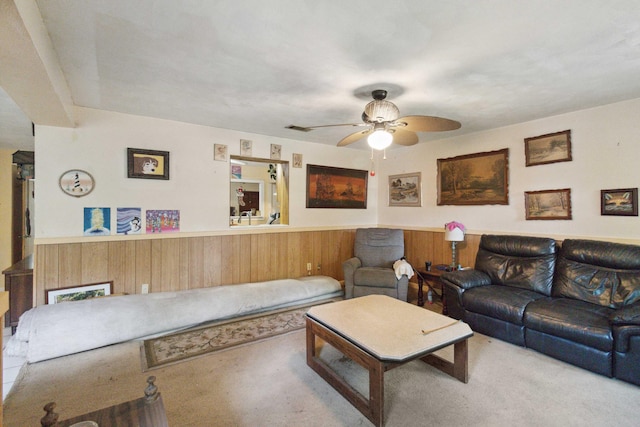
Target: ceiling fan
384 127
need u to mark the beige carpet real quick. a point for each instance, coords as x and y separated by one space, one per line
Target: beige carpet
268 383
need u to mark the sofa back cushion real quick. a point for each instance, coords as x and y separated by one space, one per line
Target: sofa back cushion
518 261
379 247
603 273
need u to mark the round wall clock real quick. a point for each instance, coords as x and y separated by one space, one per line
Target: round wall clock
76 182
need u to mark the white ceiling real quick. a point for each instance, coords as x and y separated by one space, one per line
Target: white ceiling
258 66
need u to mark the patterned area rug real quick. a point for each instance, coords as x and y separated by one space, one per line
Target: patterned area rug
212 337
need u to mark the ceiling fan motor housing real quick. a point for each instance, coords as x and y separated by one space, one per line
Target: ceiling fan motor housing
380 111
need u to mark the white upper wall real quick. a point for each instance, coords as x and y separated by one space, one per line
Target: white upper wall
198 185
605 152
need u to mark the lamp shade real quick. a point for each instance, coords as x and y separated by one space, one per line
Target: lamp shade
453 232
455 235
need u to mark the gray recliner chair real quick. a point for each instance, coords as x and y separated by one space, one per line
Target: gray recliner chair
370 271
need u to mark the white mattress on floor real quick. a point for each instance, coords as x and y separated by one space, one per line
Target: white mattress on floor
49 331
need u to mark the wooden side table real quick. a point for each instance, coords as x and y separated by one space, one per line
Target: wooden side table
147 411
432 277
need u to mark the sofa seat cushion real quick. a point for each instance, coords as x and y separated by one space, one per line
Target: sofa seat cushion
574 320
500 302
376 277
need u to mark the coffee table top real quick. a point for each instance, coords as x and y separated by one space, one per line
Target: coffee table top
388 328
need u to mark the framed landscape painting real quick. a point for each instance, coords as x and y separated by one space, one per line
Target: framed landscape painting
549 148
329 187
404 189
548 204
619 202
78 293
474 179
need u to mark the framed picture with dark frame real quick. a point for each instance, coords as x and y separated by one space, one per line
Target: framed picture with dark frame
405 189
619 202
474 179
548 204
147 164
331 187
549 148
78 293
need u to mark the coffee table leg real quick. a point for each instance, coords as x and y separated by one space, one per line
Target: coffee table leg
376 393
372 408
459 369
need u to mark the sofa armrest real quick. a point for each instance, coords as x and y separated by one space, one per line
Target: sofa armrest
467 279
627 315
349 267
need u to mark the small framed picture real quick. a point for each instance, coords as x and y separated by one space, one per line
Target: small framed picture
97 221
147 164
619 202
404 190
297 160
246 148
220 152
549 148
548 204
76 182
276 151
78 293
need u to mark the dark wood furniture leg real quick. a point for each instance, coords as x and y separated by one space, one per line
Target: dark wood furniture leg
420 292
459 369
373 407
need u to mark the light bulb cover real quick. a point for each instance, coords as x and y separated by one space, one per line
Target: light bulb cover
380 139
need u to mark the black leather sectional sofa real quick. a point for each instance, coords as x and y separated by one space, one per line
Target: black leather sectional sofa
578 302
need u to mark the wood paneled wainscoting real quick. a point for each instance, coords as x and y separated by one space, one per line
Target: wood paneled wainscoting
190 262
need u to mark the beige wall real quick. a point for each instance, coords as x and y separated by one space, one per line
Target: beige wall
5 209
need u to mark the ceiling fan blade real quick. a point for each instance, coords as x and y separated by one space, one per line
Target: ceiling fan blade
428 124
310 128
404 137
350 139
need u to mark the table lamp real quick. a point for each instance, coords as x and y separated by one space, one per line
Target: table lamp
453 232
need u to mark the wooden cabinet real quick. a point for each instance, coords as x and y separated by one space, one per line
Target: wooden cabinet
18 281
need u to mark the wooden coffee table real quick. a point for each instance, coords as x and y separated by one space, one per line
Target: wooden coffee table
380 333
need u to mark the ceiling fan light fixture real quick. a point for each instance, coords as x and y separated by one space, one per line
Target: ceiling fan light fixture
379 139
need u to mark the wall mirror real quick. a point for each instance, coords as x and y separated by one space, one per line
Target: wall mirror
258 192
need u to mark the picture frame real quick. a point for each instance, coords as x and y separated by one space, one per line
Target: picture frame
549 148
78 293
96 221
474 179
147 164
405 189
338 188
220 152
619 202
76 182
246 148
548 204
296 160
275 152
